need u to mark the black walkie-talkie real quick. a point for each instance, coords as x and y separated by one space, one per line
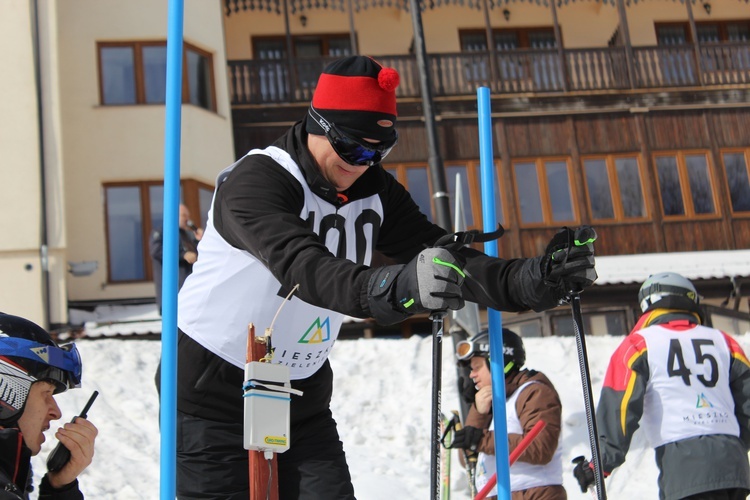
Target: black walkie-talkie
61 455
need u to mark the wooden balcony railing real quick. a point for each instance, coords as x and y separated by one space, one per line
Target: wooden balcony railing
516 71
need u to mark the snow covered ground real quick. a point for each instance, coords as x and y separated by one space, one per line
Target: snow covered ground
381 402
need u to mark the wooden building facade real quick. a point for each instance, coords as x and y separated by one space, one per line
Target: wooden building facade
650 144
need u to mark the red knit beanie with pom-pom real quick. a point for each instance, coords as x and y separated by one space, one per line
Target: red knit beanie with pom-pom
358 95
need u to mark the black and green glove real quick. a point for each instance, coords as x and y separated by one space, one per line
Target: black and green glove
568 262
430 282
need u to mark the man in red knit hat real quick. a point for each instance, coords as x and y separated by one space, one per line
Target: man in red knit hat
310 211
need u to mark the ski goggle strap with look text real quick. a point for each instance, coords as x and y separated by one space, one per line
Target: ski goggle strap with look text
352 150
64 362
465 349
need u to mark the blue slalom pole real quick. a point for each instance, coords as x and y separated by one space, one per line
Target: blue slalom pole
168 461
487 167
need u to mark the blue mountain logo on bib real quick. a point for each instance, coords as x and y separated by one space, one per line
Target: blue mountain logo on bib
317 333
703 402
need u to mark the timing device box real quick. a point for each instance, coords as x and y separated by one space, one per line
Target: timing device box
266 407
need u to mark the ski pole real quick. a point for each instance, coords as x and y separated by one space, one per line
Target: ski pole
522 445
452 242
588 398
437 366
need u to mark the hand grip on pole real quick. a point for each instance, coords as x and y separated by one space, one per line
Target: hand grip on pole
525 442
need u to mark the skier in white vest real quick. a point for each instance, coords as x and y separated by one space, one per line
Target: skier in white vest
311 210
688 385
530 397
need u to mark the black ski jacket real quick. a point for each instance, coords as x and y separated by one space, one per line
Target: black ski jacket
257 209
16 475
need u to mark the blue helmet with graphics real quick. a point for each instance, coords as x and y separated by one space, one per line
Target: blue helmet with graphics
27 355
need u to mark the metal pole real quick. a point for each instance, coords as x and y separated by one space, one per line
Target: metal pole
168 409
352 35
437 367
588 397
43 229
439 189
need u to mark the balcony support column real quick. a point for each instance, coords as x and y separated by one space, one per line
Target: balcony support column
625 32
352 34
494 82
558 41
292 79
696 44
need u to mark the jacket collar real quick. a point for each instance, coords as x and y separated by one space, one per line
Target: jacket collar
15 458
294 142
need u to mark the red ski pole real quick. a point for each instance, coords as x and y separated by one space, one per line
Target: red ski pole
525 442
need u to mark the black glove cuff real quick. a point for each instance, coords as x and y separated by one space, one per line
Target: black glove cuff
533 292
380 290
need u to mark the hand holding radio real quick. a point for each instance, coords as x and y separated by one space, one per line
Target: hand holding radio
75 451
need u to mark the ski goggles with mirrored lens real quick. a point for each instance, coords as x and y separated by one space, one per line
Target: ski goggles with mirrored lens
352 150
63 363
466 349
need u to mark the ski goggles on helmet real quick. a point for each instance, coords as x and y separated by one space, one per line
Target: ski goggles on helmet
352 150
62 364
467 349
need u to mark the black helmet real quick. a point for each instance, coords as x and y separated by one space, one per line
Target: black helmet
478 345
28 354
668 291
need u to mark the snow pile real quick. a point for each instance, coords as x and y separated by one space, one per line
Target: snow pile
381 403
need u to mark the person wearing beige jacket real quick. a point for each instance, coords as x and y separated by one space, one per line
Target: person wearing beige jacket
530 397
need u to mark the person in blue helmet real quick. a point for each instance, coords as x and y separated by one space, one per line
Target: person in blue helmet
530 397
33 369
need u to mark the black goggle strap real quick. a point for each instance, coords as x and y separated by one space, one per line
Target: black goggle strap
321 121
330 129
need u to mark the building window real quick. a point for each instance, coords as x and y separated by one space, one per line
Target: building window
470 173
508 39
614 187
603 322
708 32
544 191
738 178
133 210
309 52
727 320
685 184
535 69
416 179
305 46
136 73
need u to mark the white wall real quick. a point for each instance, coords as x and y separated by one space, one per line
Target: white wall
20 265
123 143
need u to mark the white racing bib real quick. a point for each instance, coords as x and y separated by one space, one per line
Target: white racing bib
688 393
